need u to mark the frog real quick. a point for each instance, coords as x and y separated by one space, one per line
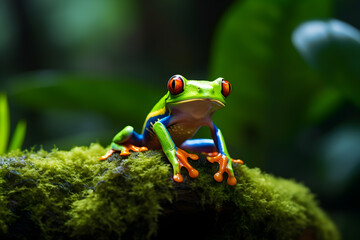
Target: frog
187 106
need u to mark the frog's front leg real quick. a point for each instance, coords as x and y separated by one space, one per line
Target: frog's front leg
222 157
126 140
176 156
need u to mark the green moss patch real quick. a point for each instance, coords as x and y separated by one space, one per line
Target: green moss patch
71 194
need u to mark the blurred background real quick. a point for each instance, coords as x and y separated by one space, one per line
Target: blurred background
78 71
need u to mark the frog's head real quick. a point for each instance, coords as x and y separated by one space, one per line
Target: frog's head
197 94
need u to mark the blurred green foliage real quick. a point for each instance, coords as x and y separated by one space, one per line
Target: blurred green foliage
19 132
115 98
273 87
333 48
79 71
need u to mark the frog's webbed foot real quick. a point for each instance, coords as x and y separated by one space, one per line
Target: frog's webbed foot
107 155
213 154
183 162
223 162
124 150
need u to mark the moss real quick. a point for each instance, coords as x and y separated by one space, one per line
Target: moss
62 194
130 193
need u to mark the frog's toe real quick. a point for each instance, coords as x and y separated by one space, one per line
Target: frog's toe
183 162
237 161
193 173
231 180
218 177
125 149
210 154
107 155
140 149
125 153
178 178
135 148
215 157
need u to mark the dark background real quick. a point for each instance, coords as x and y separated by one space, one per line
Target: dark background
79 71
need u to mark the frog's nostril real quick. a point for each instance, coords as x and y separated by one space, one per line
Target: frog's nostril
205 90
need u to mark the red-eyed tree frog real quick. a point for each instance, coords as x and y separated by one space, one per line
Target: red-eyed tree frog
173 121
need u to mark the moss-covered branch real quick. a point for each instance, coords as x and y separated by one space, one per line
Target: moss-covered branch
62 194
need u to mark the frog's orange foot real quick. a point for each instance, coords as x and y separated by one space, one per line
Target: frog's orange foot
107 155
127 147
124 152
210 154
183 162
178 178
223 161
237 161
214 154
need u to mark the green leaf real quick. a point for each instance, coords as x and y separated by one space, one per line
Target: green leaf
272 86
4 123
333 48
18 136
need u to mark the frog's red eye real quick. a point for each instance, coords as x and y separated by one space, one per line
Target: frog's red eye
225 88
176 84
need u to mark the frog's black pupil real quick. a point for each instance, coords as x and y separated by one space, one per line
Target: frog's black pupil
230 88
173 84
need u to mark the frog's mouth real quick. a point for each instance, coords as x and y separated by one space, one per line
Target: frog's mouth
196 108
206 100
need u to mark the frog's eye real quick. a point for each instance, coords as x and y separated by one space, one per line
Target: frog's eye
225 88
176 84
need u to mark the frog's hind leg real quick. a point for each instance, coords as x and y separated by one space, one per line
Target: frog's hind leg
126 140
205 146
208 147
201 145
